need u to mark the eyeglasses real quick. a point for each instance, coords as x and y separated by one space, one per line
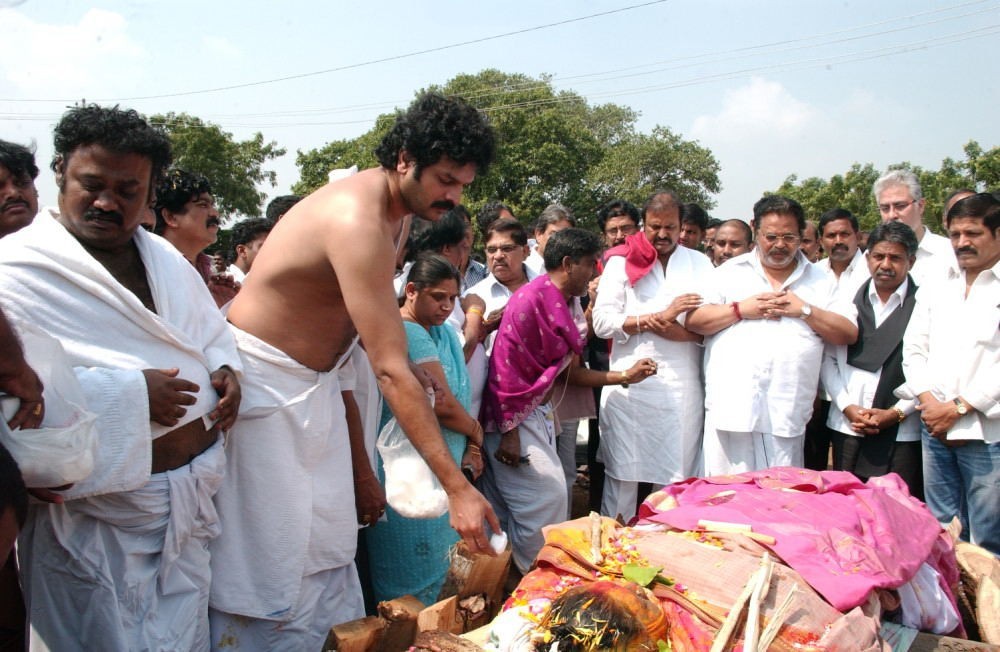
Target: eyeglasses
628 229
504 249
787 238
898 206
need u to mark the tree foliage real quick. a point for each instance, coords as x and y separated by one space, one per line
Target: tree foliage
552 147
980 170
234 168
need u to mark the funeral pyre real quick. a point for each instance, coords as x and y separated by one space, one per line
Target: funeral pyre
783 559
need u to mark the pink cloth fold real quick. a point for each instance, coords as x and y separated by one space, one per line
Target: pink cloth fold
536 334
639 256
843 536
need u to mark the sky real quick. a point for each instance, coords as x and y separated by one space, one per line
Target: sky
772 88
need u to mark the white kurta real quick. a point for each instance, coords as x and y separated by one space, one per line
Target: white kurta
761 374
651 431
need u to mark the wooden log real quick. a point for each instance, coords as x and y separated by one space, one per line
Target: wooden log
400 616
358 635
473 574
444 642
440 617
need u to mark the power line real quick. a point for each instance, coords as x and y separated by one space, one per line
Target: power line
372 62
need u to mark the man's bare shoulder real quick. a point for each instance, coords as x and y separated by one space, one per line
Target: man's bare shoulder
359 200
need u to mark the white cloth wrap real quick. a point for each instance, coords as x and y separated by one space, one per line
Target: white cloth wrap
47 278
287 505
124 571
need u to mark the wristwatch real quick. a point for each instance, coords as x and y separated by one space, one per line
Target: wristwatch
960 407
807 311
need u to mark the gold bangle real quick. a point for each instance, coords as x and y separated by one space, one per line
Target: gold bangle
900 415
624 382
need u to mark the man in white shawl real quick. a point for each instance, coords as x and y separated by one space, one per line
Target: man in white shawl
120 561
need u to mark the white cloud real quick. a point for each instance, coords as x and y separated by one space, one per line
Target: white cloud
69 60
760 109
222 47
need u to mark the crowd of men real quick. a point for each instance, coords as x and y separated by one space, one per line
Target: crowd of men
233 398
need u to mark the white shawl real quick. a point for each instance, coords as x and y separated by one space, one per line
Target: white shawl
48 279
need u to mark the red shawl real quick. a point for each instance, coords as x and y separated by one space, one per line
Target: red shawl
639 256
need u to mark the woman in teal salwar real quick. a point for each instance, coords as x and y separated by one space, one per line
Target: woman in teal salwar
410 556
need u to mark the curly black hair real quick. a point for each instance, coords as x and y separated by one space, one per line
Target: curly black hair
175 189
281 205
18 159
245 232
123 131
435 126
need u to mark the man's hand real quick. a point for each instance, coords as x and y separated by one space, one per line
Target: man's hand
681 304
492 321
228 388
223 288
369 497
766 305
640 371
509 452
467 510
168 394
23 383
938 416
472 460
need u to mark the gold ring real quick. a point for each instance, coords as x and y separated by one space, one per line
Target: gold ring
38 410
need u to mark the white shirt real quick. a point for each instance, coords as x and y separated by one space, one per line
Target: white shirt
761 374
852 278
495 295
535 262
853 386
236 273
493 292
952 348
935 259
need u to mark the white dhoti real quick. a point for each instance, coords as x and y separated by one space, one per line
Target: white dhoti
127 570
531 496
326 596
287 504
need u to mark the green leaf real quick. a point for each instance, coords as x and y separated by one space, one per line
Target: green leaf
641 575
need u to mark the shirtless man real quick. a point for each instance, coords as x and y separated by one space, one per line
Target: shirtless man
285 558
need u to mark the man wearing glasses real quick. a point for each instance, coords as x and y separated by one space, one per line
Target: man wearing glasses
898 195
506 250
766 317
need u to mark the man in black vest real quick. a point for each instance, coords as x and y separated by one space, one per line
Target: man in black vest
873 432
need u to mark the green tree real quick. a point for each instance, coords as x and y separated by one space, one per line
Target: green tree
552 147
980 171
233 167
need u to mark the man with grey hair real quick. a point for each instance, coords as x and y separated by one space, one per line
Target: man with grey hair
553 219
899 197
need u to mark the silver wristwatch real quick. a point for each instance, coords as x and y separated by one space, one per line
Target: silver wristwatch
807 311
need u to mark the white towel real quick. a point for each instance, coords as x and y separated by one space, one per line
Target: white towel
48 279
287 502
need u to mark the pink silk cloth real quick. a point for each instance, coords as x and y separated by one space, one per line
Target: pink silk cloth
536 334
639 256
843 536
